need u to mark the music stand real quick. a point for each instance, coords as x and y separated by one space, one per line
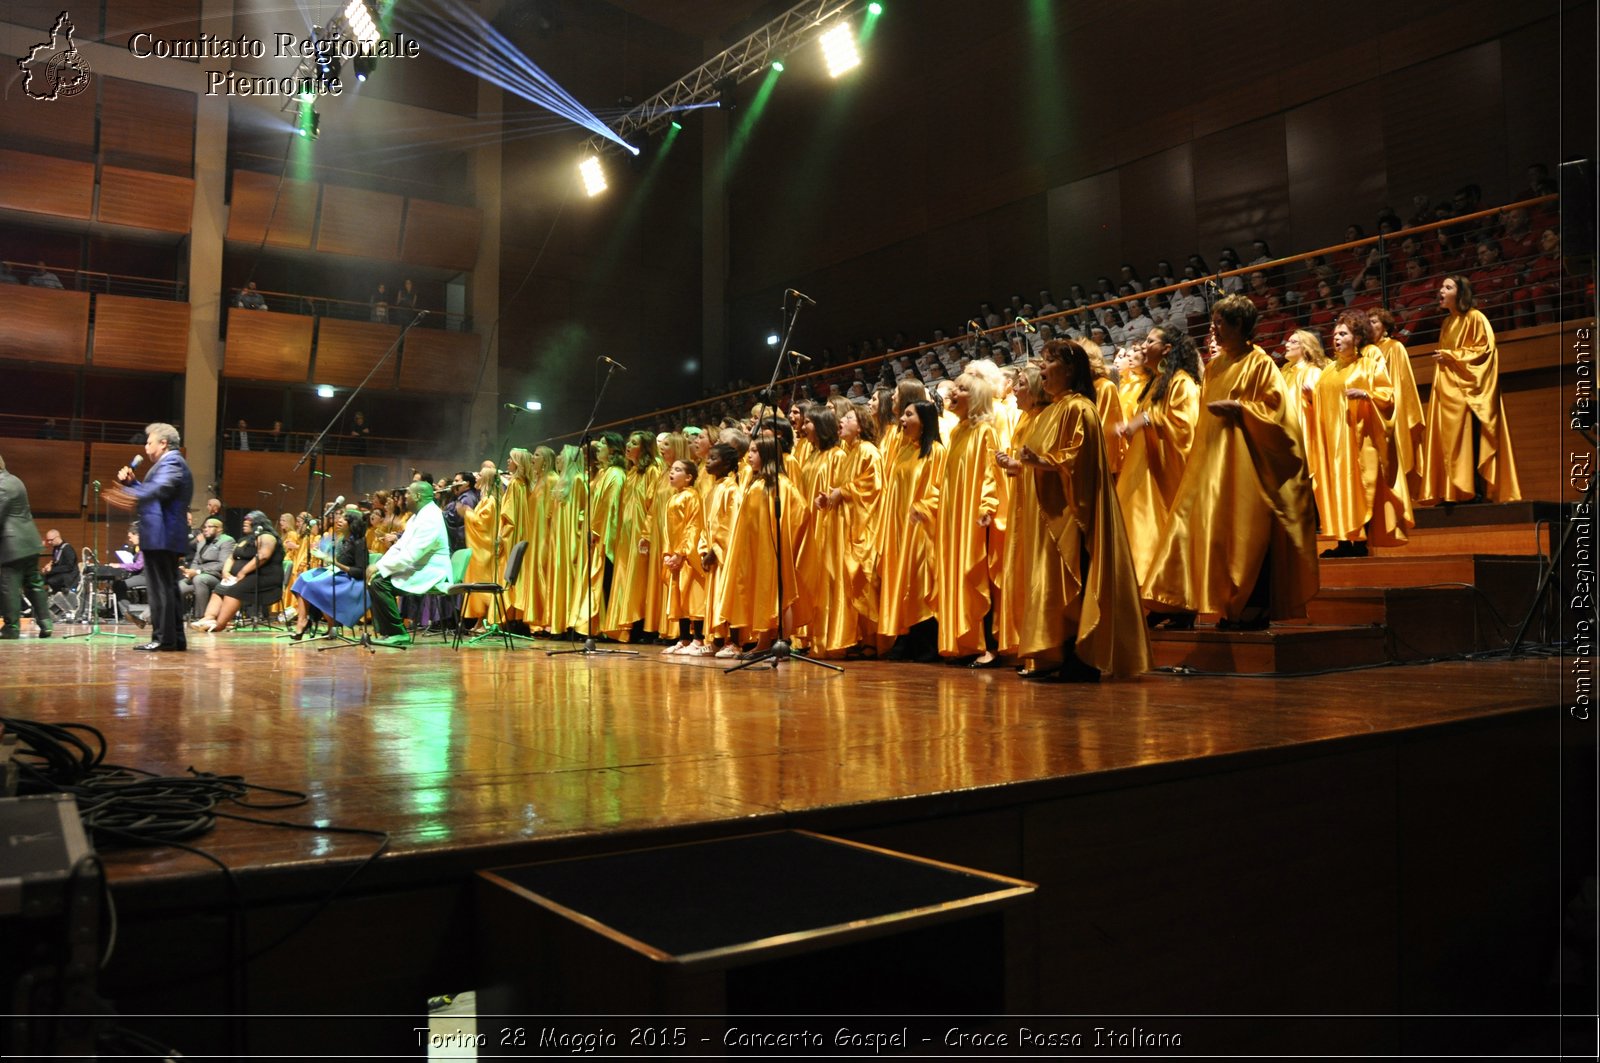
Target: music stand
88 575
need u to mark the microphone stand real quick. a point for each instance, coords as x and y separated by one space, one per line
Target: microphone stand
780 650
589 648
89 574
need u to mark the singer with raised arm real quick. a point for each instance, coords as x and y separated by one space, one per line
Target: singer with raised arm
416 564
162 500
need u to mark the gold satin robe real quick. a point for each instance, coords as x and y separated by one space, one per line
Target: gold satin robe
1297 378
1466 385
836 562
631 574
1109 405
605 504
968 490
536 586
1024 538
1244 499
483 564
1153 467
567 558
515 510
1082 584
750 595
1349 476
685 589
1408 422
716 534
908 582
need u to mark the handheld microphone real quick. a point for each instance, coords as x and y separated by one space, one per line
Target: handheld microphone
612 361
138 460
800 295
797 356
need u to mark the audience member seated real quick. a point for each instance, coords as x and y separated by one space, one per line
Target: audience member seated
253 575
204 569
62 575
43 278
250 298
1494 283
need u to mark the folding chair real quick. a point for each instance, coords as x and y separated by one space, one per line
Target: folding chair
513 569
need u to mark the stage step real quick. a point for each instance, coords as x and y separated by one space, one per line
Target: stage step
1285 649
1512 528
1421 622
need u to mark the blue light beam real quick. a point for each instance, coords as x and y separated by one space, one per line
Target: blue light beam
463 38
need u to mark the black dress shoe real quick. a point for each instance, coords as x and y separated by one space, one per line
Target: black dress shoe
149 647
1039 673
993 662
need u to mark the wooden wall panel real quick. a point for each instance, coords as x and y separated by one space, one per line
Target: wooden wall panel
267 346
441 234
246 473
165 20
146 200
61 127
1444 122
1337 166
44 325
1241 188
441 362
347 351
256 197
104 461
43 185
52 469
147 127
1083 242
151 334
358 222
1157 220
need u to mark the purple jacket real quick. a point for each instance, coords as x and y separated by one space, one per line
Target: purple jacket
164 497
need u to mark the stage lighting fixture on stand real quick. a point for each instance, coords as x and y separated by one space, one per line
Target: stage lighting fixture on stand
839 49
358 15
594 177
307 121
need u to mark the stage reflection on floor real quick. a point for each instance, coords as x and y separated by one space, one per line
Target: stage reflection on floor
489 748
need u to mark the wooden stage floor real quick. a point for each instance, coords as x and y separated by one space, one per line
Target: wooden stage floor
1286 846
487 756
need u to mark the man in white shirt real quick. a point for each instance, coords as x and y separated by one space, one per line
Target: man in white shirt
416 564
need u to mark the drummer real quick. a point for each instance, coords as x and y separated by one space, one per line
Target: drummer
337 590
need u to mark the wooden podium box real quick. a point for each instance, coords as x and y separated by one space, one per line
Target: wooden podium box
788 922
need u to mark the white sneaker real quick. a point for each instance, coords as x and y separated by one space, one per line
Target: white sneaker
727 652
674 648
699 649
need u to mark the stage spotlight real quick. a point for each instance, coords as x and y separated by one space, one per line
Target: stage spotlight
358 16
839 49
308 121
594 178
677 125
324 391
874 8
533 406
365 65
777 64
772 339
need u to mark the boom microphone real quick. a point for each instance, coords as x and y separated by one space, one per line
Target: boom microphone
801 295
612 361
335 504
797 356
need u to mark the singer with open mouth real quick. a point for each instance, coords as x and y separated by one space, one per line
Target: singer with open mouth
162 499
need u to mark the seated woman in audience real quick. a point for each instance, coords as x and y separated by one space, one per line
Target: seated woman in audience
1467 448
1353 399
253 576
336 590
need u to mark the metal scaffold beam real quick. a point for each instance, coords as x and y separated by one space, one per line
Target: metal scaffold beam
792 30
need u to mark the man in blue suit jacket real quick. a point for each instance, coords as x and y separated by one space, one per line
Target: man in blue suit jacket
163 504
